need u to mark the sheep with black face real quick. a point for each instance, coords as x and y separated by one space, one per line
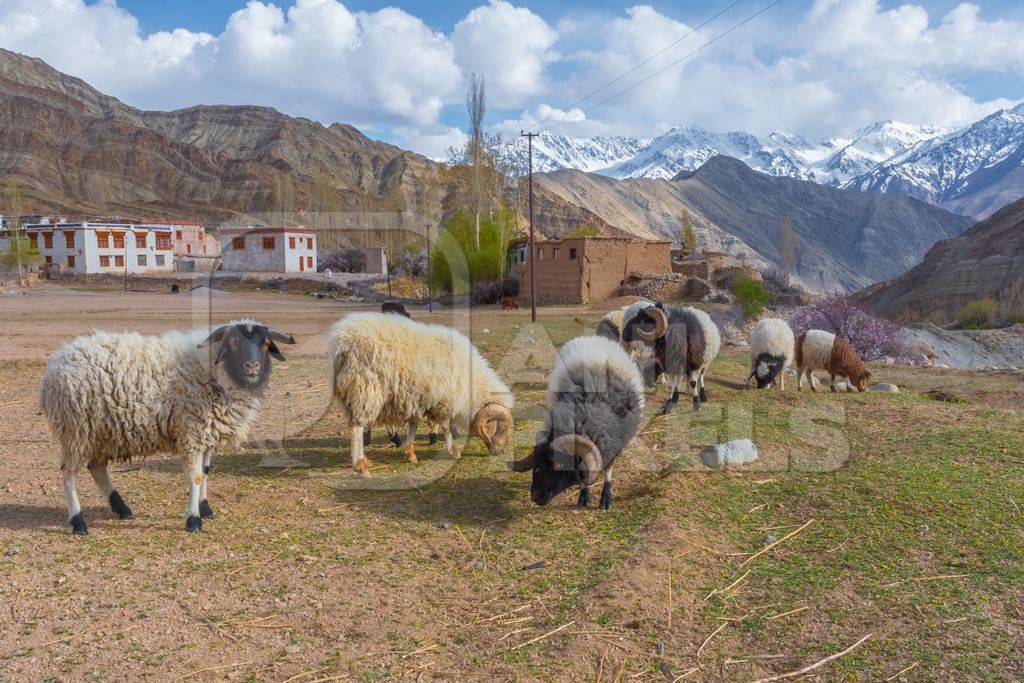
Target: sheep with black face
771 352
595 402
115 397
682 341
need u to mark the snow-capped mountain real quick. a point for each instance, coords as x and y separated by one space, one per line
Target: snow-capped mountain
974 170
554 152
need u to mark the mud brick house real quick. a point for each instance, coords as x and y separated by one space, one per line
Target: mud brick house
586 269
95 247
268 250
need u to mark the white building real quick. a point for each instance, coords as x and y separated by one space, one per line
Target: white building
104 247
268 250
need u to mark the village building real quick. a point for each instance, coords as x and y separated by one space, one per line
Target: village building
586 269
92 248
268 250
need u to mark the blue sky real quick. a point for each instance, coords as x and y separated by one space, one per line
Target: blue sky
819 68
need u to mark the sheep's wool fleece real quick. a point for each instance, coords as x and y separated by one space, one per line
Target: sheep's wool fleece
388 370
119 396
595 390
817 349
774 337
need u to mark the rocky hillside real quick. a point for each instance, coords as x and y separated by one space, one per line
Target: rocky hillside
76 150
985 261
845 240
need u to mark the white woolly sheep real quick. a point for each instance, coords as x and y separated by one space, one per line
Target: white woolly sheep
387 369
683 342
117 397
771 352
595 404
821 350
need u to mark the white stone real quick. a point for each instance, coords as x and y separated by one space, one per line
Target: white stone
736 452
888 360
885 387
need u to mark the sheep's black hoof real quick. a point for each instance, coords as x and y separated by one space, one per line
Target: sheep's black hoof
696 403
606 496
193 524
119 507
432 438
584 499
205 511
367 436
78 527
397 440
703 394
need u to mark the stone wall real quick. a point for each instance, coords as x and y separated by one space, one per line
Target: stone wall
665 286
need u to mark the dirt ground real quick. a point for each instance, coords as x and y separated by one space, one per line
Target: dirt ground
892 522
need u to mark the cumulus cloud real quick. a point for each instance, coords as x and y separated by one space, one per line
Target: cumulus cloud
509 46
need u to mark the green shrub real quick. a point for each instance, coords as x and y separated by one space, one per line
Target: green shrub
978 314
583 231
751 295
1015 319
457 262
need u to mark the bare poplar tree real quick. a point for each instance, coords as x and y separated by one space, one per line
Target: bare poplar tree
476 105
787 247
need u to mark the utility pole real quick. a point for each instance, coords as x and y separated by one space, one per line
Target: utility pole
533 249
430 287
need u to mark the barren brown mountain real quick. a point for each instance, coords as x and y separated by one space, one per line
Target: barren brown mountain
78 151
985 261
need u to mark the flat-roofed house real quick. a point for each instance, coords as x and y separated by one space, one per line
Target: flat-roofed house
268 250
94 248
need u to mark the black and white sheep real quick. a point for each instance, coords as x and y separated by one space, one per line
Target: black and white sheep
390 370
117 397
595 403
683 341
771 352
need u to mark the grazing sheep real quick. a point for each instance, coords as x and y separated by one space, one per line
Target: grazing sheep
118 397
771 352
595 402
820 350
391 370
683 341
394 308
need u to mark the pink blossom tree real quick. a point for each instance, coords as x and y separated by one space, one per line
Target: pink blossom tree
871 335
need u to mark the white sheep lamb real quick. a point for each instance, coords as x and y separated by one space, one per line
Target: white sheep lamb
771 352
387 369
117 397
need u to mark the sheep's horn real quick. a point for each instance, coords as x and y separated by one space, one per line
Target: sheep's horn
282 337
590 463
524 465
660 325
485 417
214 337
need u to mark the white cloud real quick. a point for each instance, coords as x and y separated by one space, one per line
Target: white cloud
509 46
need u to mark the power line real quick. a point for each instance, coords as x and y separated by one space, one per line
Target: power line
665 68
646 61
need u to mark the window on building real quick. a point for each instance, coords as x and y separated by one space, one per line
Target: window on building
291 242
71 261
103 240
104 261
159 258
522 255
69 239
188 248
119 261
572 254
309 261
142 260
118 240
238 244
268 243
140 240
178 235
309 242
554 253
49 260
163 241
48 240
540 254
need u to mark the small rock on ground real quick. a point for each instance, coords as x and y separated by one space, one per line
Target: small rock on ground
737 452
885 387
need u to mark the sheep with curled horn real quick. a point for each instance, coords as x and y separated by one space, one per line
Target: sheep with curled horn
595 401
682 342
390 370
115 397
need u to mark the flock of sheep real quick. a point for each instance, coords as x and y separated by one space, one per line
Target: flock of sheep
117 397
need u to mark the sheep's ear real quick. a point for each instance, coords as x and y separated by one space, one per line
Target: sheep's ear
275 352
214 337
